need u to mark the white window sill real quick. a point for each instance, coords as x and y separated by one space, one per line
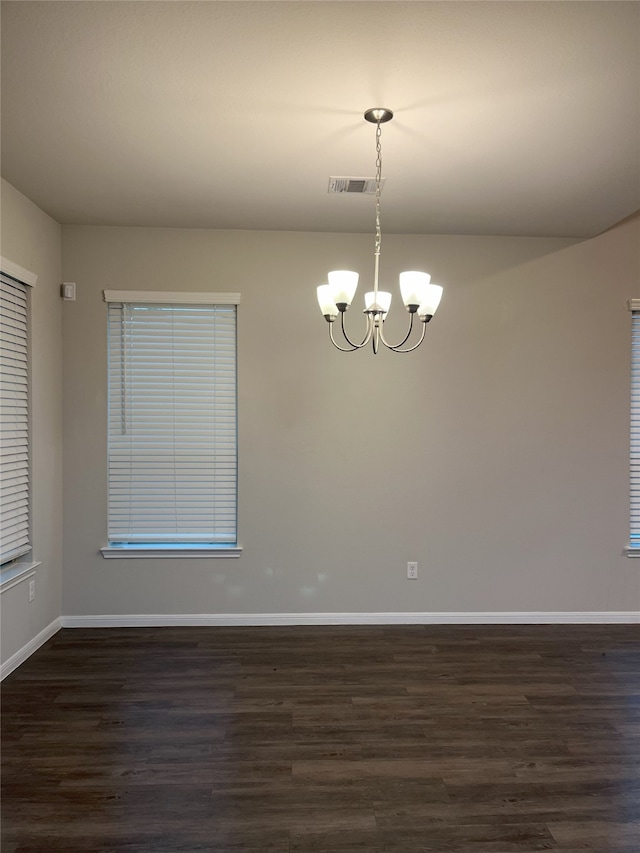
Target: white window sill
133 552
17 573
632 552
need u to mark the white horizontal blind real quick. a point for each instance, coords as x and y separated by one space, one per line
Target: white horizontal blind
14 420
172 423
635 430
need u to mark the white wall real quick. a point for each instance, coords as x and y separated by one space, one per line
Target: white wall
31 239
496 455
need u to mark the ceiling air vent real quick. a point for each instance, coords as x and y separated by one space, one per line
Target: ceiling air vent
359 186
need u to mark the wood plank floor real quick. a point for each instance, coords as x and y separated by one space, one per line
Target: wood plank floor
450 739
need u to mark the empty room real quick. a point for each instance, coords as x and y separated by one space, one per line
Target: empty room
320 394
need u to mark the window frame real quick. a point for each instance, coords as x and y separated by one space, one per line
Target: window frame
176 548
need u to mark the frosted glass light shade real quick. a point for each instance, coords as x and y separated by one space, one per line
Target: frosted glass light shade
343 284
383 300
413 287
431 300
326 301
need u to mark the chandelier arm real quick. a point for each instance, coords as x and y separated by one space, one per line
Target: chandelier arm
396 347
415 346
336 345
352 347
367 334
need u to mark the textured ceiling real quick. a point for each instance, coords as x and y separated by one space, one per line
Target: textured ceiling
510 117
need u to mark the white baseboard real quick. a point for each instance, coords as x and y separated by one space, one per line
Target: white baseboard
145 620
137 620
32 646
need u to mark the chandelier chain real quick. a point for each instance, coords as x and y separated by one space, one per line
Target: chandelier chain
378 182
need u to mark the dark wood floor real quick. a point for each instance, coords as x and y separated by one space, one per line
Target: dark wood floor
325 740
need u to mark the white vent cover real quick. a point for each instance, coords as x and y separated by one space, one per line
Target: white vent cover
359 186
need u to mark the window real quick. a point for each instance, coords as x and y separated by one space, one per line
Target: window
15 522
172 431
634 539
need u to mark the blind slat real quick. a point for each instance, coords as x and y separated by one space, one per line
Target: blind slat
634 475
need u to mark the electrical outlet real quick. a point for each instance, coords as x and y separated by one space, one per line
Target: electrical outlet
412 571
32 590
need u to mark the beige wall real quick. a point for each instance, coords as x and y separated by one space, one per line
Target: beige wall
496 455
31 239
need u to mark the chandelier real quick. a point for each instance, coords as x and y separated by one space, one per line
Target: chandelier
418 294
